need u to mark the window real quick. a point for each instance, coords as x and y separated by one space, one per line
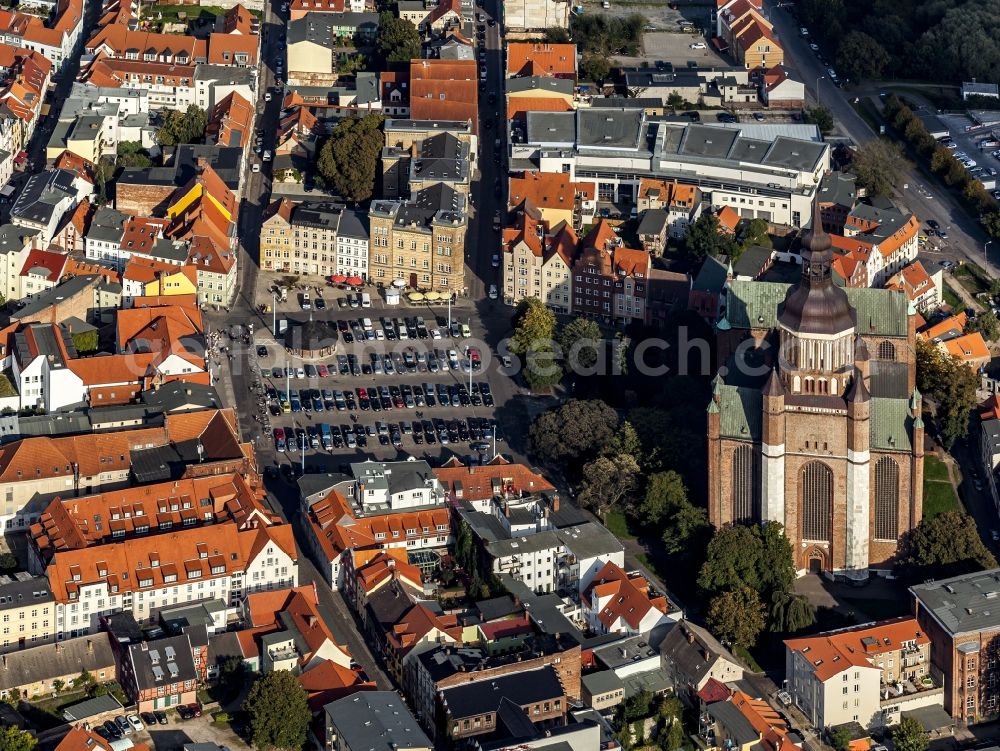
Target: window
886 351
816 492
746 482
886 498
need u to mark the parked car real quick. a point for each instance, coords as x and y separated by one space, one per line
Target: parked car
698 45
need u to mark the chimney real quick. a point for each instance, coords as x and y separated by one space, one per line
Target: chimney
311 620
690 636
90 647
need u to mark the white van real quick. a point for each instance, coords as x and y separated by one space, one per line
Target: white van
366 323
366 300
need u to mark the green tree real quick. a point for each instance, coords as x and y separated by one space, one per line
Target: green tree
84 681
581 341
349 65
909 735
8 562
397 40
534 325
821 117
777 562
941 159
944 545
671 737
840 738
348 159
557 35
991 223
85 342
594 68
665 492
987 324
861 57
737 616
626 441
754 232
573 433
733 560
13 739
132 154
952 385
58 685
704 238
183 127
879 165
542 369
791 612
676 102
607 481
104 173
278 710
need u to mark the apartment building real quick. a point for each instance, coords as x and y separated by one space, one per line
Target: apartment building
960 617
609 280
479 708
160 674
681 203
16 243
30 673
411 163
767 174
301 238
620 602
535 15
420 241
868 675
145 549
882 237
923 289
373 721
27 612
381 505
353 242
537 261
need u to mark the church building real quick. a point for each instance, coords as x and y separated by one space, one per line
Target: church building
814 420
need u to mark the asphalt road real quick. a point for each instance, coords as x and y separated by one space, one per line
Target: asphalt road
922 196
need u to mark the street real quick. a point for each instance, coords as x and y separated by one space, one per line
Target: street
922 195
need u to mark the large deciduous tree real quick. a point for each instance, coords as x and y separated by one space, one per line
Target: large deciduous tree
952 385
397 40
14 739
909 735
737 616
945 545
278 709
703 238
581 342
879 166
860 56
607 481
575 432
348 159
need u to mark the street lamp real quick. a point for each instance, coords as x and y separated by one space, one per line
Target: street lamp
818 79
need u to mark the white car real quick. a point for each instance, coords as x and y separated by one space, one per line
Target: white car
436 334
495 261
969 163
267 96
256 167
813 46
267 156
136 723
698 45
493 292
804 31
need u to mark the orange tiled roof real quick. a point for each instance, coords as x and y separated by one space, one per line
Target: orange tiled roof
729 218
50 263
951 326
231 121
969 348
518 107
541 59
140 234
628 596
373 568
829 654
912 279
445 90
547 190
238 20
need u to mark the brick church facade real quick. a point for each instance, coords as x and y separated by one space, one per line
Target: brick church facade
815 420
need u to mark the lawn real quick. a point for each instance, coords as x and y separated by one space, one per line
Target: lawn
618 524
972 278
935 469
938 498
171 13
952 300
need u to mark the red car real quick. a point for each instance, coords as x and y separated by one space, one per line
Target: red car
194 709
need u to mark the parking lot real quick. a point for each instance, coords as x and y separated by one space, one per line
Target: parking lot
394 384
969 145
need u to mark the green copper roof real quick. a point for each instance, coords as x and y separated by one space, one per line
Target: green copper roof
891 424
741 413
755 305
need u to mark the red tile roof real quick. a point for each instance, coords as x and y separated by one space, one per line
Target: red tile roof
445 90
541 59
46 263
626 595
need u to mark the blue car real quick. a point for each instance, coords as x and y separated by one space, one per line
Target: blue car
317 404
296 405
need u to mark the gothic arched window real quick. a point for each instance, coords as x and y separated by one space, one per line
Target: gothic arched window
886 351
886 499
817 501
746 484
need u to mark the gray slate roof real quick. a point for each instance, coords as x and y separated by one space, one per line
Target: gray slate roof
51 661
375 721
963 604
